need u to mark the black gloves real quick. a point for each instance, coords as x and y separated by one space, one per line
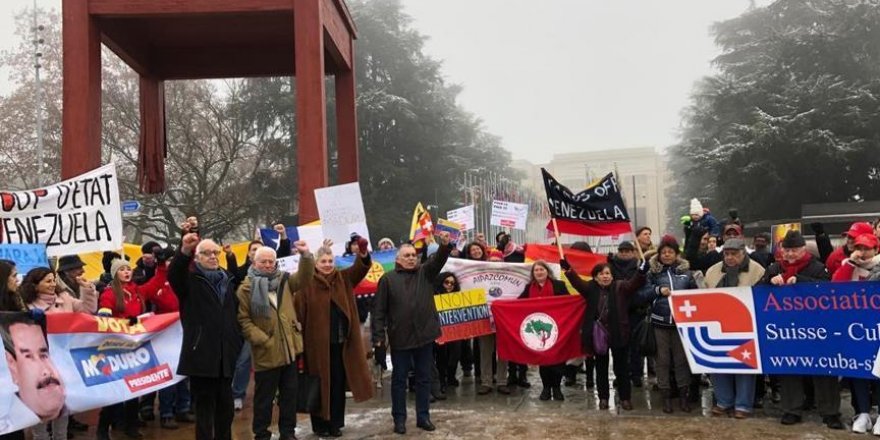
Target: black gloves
563 263
163 255
818 228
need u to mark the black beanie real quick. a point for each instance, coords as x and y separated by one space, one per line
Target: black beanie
793 239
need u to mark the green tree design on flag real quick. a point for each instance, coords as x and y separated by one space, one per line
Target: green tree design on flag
541 329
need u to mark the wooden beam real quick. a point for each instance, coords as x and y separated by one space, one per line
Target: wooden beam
127 50
340 37
346 127
162 7
223 62
152 145
81 90
311 123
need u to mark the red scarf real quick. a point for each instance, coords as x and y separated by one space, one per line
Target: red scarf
791 269
536 291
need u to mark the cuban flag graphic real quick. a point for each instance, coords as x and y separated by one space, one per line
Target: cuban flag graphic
718 330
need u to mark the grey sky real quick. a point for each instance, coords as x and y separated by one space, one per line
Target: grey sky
557 76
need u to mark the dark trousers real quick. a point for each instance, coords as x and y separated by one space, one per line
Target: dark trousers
17 435
337 394
268 383
636 360
827 392
861 394
421 359
621 371
122 416
212 397
551 375
147 403
467 355
517 372
447 357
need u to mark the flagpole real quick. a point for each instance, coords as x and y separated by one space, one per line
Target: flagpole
623 197
558 241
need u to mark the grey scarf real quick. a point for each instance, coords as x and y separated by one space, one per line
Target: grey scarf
731 274
261 285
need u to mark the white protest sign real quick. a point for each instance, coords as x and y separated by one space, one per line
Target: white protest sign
463 216
341 210
509 214
313 235
71 217
289 264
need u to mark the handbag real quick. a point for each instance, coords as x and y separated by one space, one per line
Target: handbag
308 393
645 337
600 339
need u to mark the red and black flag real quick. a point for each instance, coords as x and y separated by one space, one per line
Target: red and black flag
597 210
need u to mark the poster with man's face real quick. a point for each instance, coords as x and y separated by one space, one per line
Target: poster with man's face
38 385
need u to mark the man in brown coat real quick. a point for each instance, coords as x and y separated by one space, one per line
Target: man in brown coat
334 350
268 321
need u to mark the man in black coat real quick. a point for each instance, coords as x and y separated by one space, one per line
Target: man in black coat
404 309
212 337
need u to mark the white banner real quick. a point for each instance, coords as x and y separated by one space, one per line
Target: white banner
463 216
341 210
509 214
500 280
71 217
93 362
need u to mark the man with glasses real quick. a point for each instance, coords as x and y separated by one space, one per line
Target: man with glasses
211 333
404 307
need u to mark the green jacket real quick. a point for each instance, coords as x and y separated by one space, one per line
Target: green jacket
277 339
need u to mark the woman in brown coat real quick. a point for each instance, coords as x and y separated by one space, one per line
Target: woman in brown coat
332 337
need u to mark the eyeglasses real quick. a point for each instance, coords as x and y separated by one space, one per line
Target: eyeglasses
210 253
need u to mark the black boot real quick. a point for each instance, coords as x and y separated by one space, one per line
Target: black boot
683 402
667 402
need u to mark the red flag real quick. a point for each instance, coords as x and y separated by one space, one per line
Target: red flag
581 261
591 229
539 331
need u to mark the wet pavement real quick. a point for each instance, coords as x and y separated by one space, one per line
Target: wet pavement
465 415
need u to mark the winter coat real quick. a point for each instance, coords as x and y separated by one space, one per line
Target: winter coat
212 337
277 338
676 277
138 295
835 260
403 307
66 303
623 269
710 224
142 273
313 306
747 278
849 271
617 303
814 272
559 289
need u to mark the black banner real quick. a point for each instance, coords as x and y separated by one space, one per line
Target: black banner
599 206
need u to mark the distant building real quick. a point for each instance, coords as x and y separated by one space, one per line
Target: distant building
643 175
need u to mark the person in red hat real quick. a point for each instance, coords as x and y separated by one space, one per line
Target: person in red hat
836 258
859 266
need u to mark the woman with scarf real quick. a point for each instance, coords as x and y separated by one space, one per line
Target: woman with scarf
608 304
39 290
734 393
334 351
858 267
668 271
543 284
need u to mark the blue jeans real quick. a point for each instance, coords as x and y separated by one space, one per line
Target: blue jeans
422 360
734 391
174 399
242 375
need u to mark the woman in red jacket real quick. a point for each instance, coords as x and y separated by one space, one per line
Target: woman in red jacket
123 299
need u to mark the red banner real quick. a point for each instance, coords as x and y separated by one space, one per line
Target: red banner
539 331
582 261
591 229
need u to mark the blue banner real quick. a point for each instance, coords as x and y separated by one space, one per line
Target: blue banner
25 256
271 238
827 329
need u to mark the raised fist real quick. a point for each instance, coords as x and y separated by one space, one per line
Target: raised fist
190 241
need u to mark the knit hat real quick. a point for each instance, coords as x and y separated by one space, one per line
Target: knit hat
733 227
696 208
669 241
117 264
386 240
793 239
